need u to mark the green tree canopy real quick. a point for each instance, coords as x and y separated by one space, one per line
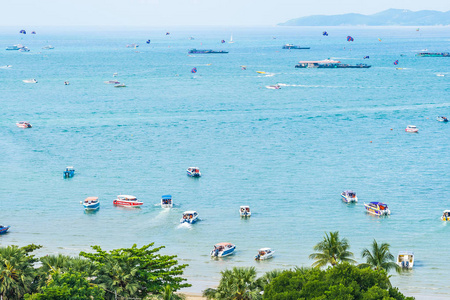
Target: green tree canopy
331 250
135 272
17 273
380 258
344 281
70 285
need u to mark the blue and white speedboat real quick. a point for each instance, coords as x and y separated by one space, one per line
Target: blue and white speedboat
69 172
166 201
442 119
189 217
91 203
223 249
4 229
193 172
349 196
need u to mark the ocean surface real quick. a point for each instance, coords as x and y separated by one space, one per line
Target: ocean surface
287 153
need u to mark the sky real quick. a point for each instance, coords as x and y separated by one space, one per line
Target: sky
163 13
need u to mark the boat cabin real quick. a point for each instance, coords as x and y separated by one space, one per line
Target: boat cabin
126 198
446 215
244 211
91 200
189 215
405 259
166 201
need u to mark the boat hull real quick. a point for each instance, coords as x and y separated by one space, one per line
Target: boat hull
92 206
127 203
68 174
189 221
245 214
5 229
166 205
224 253
191 174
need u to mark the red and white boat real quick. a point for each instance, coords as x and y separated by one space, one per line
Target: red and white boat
127 200
23 124
411 128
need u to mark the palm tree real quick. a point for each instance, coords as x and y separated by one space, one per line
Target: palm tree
236 284
332 251
166 294
16 271
380 258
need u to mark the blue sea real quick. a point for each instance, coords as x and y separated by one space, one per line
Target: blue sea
287 153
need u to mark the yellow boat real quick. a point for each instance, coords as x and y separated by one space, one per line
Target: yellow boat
260 72
446 215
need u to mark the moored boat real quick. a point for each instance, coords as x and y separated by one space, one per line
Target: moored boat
405 259
446 215
112 82
377 208
195 51
91 203
223 249
273 87
4 229
120 85
264 253
244 211
48 47
349 196
69 172
329 64
132 46
15 47
30 80
23 124
292 46
127 201
166 201
412 128
189 217
442 119
193 172
433 54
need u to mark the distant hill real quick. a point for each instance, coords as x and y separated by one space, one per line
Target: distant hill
390 17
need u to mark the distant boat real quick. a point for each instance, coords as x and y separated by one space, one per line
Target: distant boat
405 259
4 229
329 64
120 85
412 128
132 46
244 211
193 172
231 40
15 47
127 201
223 249
189 217
273 87
264 253
446 215
166 201
30 80
291 46
69 172
195 51
377 208
191 38
23 124
442 119
24 49
66 83
91 203
49 47
431 54
349 196
112 82
260 72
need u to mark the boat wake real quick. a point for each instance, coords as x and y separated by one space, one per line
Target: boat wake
184 226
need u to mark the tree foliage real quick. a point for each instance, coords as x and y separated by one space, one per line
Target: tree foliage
331 250
135 272
380 258
343 281
17 273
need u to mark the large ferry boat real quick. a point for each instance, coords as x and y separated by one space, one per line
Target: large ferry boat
431 54
291 46
195 51
329 64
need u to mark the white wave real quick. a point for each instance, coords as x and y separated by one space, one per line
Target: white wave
184 226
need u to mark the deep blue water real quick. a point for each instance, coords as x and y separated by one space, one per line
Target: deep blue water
287 153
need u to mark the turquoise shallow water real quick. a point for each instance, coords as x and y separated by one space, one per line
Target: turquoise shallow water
287 153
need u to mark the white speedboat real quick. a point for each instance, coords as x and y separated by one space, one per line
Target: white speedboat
411 128
189 217
244 211
24 49
193 172
15 47
91 203
446 215
349 196
23 124
405 259
273 87
49 47
30 80
120 85
132 46
377 208
166 201
264 253
127 201
223 249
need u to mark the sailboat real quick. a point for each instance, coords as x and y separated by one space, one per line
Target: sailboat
231 40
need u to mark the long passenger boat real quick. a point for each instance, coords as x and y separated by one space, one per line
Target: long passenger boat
431 54
329 64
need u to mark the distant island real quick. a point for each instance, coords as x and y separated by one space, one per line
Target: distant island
390 17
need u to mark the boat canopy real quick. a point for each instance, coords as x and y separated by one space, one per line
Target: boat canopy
380 204
223 245
245 206
265 249
127 197
190 212
325 61
90 199
406 253
166 197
